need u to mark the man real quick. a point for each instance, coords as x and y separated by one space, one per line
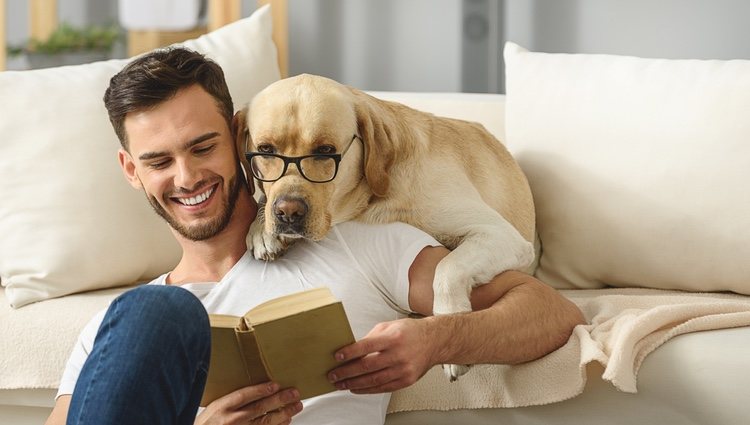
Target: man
145 360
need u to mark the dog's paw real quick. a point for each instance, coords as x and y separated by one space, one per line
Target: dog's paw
525 254
265 246
515 257
453 371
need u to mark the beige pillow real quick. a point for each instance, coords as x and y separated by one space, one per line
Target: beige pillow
639 168
68 220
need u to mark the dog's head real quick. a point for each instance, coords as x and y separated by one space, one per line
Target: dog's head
337 148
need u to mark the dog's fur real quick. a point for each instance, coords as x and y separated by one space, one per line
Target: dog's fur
448 177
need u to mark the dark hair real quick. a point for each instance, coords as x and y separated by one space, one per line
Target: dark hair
156 77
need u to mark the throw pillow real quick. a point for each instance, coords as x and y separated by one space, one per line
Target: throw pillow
638 168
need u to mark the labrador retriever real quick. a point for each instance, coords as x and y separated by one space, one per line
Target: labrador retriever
351 156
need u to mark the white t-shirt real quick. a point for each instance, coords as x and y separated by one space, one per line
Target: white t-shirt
365 266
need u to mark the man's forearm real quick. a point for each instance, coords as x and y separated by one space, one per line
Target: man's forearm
528 322
516 319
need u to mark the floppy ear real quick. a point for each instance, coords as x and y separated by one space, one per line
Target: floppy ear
241 135
378 133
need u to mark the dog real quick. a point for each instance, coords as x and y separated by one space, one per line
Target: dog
448 177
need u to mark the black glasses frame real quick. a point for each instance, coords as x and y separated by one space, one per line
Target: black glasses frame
297 160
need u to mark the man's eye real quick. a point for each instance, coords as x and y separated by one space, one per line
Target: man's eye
325 149
159 165
266 149
204 150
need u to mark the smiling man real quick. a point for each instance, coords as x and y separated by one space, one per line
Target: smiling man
148 132
144 360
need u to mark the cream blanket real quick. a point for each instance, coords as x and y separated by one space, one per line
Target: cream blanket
625 325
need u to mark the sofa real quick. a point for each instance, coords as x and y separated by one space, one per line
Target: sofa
637 167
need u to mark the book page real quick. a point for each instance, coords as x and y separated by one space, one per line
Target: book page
223 321
289 305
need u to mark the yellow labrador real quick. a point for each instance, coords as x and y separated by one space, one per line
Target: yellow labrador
448 177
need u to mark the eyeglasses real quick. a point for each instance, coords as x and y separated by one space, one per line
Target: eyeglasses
317 168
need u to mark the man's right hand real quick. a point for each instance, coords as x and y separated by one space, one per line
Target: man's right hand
257 404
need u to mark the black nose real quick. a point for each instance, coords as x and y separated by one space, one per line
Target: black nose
290 210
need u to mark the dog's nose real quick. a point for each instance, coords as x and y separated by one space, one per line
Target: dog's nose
290 210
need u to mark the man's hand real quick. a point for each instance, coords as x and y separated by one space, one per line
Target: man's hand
392 356
257 404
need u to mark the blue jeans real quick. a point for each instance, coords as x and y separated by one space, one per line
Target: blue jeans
149 361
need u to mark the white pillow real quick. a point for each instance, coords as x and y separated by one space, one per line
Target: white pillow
68 220
639 168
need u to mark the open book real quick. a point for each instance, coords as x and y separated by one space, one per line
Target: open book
290 340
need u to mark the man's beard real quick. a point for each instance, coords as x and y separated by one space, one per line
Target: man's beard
206 230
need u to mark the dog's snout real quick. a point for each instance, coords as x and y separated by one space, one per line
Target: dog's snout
290 210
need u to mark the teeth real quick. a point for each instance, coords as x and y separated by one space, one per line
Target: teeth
196 199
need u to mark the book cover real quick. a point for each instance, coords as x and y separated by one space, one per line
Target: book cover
290 340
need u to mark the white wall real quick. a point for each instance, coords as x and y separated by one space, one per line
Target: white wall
16 22
371 44
694 29
416 45
378 45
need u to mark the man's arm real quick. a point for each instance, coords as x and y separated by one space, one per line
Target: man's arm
516 319
60 411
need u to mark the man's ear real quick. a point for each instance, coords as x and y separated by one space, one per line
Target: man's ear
128 168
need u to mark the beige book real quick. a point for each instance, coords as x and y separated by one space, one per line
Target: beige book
290 340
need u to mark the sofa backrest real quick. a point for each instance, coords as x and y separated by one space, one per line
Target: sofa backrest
486 109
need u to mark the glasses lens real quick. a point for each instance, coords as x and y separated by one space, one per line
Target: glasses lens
267 167
318 168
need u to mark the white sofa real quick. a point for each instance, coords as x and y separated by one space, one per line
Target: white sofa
606 143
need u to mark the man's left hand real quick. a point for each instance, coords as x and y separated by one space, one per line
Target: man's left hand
393 355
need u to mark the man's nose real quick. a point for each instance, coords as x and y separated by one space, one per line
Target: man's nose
186 174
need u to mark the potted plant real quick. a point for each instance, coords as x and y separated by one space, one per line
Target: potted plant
69 45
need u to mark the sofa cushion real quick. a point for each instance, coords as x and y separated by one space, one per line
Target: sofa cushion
638 168
68 219
36 340
692 379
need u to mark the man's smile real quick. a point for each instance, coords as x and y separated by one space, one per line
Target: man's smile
195 200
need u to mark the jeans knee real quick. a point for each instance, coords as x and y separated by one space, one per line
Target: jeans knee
164 299
165 305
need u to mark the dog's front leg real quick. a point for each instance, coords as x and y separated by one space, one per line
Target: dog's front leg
486 250
265 246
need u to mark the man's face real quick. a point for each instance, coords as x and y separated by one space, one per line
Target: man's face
182 155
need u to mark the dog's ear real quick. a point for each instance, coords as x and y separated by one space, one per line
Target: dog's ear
241 135
378 133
